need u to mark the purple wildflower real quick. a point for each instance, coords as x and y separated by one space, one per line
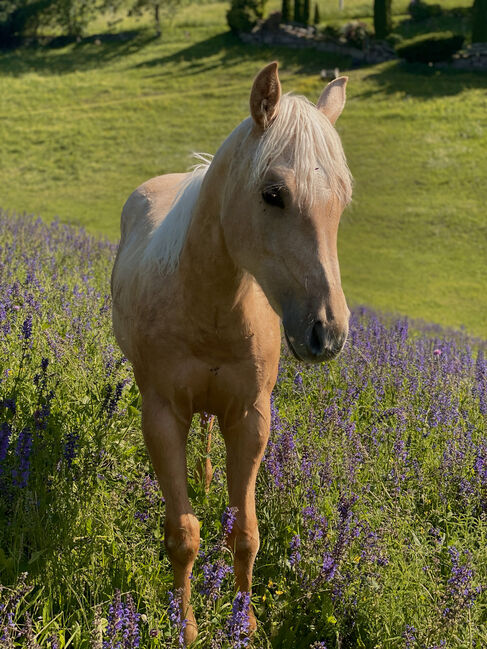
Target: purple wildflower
27 328
175 605
409 635
70 447
237 628
5 433
228 520
23 451
122 631
294 546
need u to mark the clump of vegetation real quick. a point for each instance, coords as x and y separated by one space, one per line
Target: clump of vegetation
419 10
356 33
243 15
430 48
371 494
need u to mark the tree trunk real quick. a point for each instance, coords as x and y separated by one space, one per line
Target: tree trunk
479 21
286 11
382 18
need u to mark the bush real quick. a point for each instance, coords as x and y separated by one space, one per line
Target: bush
419 10
356 33
22 20
331 32
431 48
243 15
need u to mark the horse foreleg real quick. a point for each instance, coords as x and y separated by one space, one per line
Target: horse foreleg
204 469
165 437
245 444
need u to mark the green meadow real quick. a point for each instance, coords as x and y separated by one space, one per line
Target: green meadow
372 495
82 125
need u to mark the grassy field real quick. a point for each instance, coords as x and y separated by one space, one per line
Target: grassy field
372 495
81 126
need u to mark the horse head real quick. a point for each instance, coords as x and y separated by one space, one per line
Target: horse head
287 186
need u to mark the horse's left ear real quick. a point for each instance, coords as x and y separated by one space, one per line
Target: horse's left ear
265 96
332 99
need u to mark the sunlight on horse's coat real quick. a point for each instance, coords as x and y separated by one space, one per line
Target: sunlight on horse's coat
207 265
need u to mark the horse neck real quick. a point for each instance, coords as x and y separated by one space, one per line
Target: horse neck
210 276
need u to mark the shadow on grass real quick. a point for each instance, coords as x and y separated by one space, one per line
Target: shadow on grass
200 56
90 52
456 20
420 80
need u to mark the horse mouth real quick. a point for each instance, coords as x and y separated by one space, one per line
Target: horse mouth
290 346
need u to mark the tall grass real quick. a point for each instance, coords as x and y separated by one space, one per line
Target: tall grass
372 496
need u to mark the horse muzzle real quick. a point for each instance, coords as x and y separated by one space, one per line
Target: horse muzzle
317 343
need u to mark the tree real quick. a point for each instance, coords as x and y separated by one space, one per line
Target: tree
286 11
159 9
73 16
306 12
298 11
382 18
479 21
317 17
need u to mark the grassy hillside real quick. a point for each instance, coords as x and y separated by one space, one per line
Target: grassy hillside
83 125
371 498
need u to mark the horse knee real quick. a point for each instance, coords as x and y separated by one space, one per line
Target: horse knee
182 541
246 544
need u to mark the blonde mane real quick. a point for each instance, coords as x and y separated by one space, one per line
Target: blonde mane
167 240
304 138
301 136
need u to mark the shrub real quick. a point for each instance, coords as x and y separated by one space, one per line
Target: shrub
419 10
431 48
243 15
356 33
331 32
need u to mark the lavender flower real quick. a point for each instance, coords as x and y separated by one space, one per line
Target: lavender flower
27 328
175 604
228 520
237 629
23 451
122 631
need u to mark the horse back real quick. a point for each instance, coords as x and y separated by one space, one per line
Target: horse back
148 205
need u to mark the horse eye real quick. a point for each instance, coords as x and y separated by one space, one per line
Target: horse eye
273 196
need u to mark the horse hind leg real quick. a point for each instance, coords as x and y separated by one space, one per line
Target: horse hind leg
165 437
204 468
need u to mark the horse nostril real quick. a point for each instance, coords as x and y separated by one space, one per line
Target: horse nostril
317 338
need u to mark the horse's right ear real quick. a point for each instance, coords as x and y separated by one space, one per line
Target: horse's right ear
265 96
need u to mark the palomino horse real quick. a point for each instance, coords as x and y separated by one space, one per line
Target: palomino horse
208 264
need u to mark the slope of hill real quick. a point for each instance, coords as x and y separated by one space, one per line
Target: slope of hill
81 126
